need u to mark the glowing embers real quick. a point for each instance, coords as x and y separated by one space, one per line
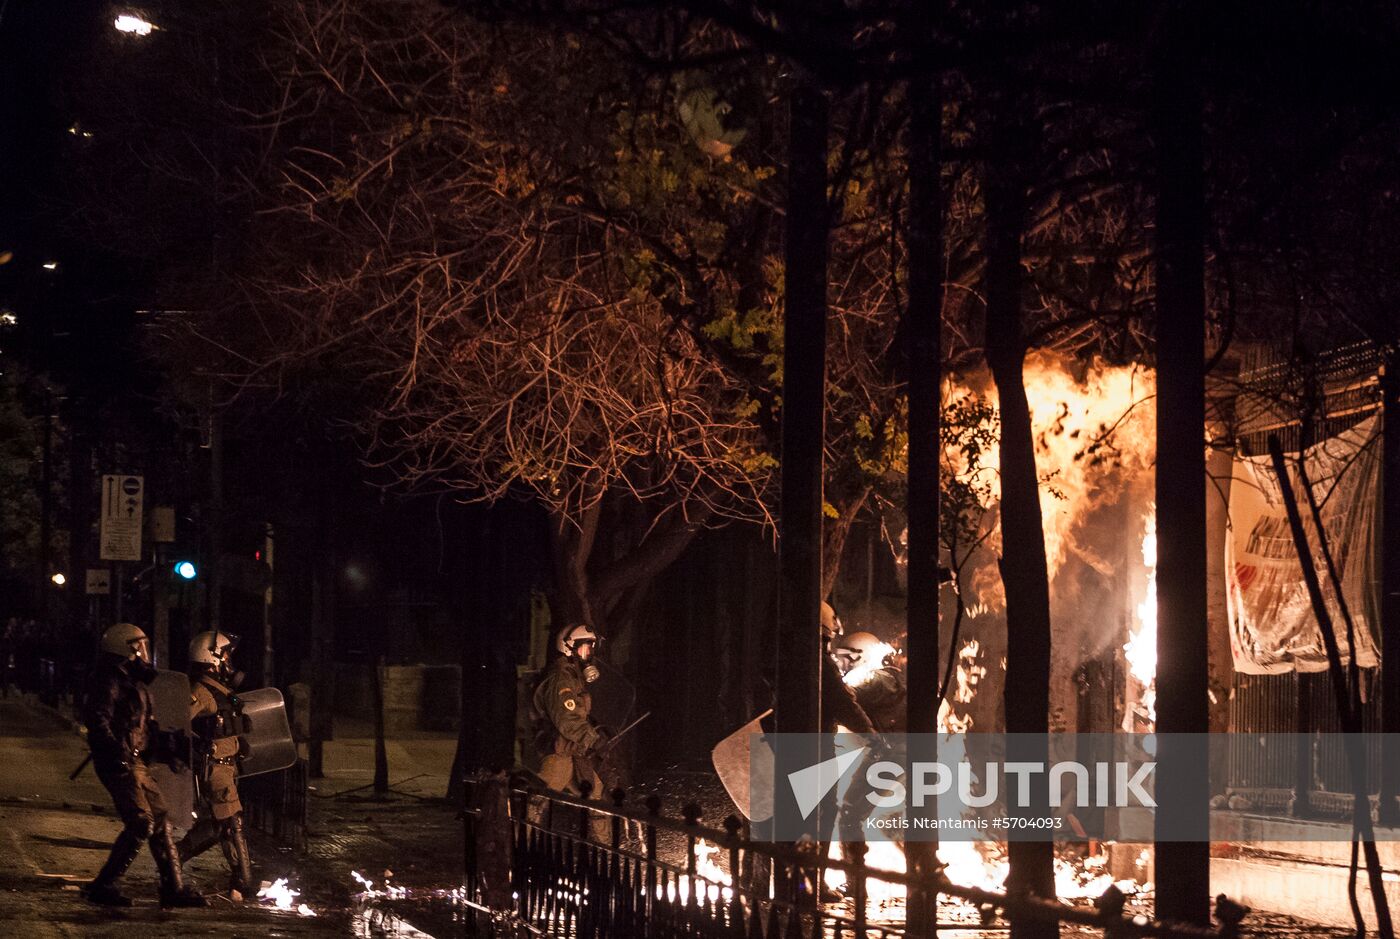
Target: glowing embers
954 716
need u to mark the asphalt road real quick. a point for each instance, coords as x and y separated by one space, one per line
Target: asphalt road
54 835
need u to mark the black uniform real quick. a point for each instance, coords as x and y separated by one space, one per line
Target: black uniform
122 737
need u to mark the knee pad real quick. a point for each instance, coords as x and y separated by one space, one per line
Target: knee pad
231 825
141 827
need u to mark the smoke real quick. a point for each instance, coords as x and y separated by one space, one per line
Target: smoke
1094 427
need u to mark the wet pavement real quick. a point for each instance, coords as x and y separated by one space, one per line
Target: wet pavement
54 834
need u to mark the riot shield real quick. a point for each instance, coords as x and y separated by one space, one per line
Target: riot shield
267 735
170 705
744 763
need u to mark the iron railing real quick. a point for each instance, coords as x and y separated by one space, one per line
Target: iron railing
579 869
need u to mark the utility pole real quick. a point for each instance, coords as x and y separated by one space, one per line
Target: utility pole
268 542
160 613
46 509
214 523
160 532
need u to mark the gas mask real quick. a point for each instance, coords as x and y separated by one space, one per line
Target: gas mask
141 670
591 673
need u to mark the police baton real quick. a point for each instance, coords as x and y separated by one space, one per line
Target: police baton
81 766
622 733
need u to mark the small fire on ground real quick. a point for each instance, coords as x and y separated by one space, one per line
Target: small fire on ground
984 865
281 896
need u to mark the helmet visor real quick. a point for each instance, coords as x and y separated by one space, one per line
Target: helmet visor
141 649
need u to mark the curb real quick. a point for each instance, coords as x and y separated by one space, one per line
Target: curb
31 700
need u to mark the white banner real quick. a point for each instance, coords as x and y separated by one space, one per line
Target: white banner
1272 625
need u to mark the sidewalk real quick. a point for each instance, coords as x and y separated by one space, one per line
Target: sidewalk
411 834
420 763
54 834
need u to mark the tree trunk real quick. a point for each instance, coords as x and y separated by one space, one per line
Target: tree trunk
834 537
1023 562
570 546
474 658
605 596
1183 787
798 647
923 333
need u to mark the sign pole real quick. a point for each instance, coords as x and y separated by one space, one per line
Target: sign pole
119 529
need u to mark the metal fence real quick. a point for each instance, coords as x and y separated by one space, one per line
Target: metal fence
275 803
544 864
1312 781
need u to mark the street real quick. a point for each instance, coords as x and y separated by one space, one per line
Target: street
54 834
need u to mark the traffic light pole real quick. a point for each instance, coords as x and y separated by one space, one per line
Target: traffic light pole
160 608
215 523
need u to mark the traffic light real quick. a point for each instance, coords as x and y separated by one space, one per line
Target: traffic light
186 570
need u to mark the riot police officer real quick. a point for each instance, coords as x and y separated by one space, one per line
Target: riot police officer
568 738
840 707
123 736
217 721
868 668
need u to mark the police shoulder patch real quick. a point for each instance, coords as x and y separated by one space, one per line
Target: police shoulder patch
570 704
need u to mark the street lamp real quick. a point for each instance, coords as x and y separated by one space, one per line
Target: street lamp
131 23
58 579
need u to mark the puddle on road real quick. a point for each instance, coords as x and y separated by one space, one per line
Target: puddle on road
372 920
394 912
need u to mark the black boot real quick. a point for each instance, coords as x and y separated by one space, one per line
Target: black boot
103 889
173 890
240 862
203 836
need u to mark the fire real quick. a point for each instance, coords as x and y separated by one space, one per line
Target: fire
1087 430
283 897
713 879
1140 651
968 673
965 864
885 856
